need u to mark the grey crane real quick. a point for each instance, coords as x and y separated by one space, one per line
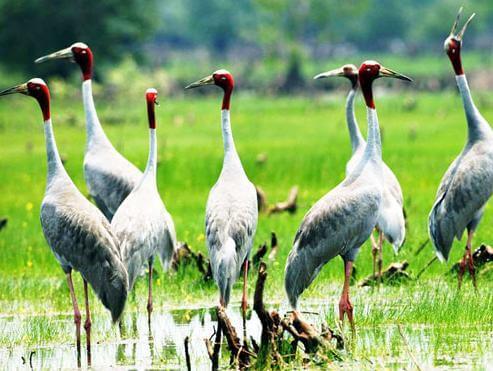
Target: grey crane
141 222
109 176
231 212
393 225
342 220
467 184
77 232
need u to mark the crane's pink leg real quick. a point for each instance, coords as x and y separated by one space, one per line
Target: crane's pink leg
345 305
244 301
467 260
149 300
77 316
374 250
380 256
87 324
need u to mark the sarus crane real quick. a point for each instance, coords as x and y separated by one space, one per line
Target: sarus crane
141 222
342 220
468 182
78 233
109 176
231 211
393 226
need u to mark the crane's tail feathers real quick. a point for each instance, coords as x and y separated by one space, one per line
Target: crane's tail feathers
441 235
226 269
299 273
110 282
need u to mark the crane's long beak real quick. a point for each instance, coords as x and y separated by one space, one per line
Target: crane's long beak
387 72
22 88
208 80
332 73
61 54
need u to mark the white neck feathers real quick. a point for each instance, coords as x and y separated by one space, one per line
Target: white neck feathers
374 146
354 132
55 166
95 132
152 159
477 126
231 158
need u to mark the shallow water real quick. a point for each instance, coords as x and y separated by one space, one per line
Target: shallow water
460 347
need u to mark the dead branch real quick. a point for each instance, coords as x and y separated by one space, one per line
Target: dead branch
187 354
257 257
289 205
273 246
238 351
421 247
408 348
261 199
214 350
270 321
304 332
394 273
481 256
426 267
184 255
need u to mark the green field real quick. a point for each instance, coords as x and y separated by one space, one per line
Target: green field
306 143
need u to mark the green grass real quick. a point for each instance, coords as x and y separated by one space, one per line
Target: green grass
306 144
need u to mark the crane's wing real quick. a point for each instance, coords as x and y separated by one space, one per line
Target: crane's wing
81 238
465 188
231 216
110 178
338 224
392 184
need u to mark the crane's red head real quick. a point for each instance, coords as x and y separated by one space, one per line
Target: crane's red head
349 71
368 72
79 53
453 43
37 89
221 78
151 99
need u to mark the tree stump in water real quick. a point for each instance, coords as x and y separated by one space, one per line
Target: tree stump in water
395 273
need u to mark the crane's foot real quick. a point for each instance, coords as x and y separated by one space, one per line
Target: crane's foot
346 307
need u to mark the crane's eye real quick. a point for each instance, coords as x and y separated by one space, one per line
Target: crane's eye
223 78
83 52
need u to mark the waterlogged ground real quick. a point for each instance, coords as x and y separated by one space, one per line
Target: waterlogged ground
304 142
442 341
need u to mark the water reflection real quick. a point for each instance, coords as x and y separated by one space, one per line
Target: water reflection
373 347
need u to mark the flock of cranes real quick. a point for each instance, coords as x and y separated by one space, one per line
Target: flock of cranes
110 244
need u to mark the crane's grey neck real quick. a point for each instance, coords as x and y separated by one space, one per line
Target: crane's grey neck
231 158
152 159
373 149
357 139
95 132
55 166
477 126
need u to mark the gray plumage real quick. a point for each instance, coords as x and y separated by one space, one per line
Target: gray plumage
109 176
392 222
468 183
231 217
141 222
340 222
80 236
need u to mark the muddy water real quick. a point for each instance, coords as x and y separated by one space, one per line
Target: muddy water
163 348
